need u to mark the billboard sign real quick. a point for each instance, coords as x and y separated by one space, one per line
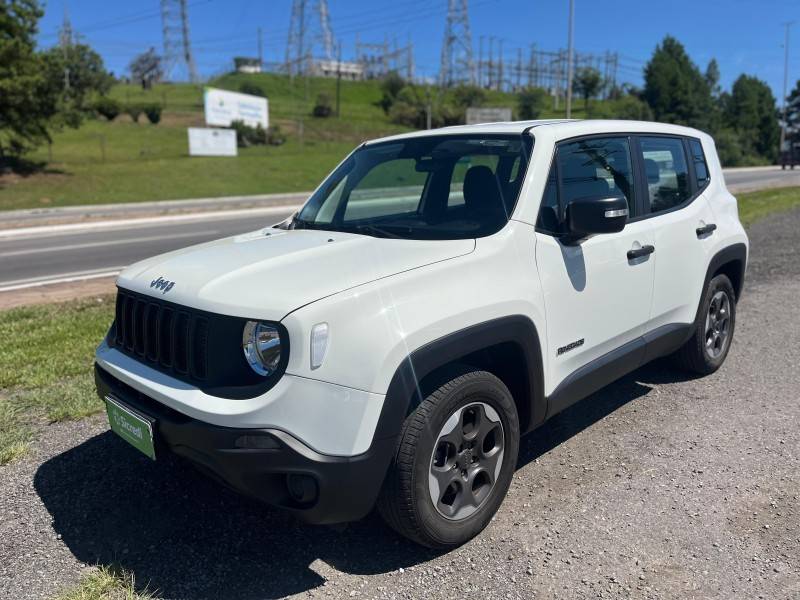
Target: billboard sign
223 108
477 115
212 142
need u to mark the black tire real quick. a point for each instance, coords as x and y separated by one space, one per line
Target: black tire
406 503
694 356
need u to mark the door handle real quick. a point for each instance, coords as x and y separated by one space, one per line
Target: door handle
701 231
639 252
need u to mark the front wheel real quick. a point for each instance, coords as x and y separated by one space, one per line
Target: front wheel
708 347
454 462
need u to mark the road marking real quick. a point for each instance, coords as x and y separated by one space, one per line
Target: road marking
152 238
21 284
123 223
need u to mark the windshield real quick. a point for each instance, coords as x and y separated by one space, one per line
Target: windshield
436 188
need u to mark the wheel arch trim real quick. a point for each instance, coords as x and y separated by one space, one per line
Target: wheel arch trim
405 386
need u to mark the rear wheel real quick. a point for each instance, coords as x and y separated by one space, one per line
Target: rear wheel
454 461
708 347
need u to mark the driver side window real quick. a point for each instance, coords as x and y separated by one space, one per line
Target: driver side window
591 167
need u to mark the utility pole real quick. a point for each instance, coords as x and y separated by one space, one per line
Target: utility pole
65 40
260 50
569 57
338 78
785 82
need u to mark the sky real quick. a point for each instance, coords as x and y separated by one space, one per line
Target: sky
745 36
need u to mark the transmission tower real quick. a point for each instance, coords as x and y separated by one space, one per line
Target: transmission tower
177 49
309 29
457 63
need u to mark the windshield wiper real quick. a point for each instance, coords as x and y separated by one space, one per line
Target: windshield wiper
375 230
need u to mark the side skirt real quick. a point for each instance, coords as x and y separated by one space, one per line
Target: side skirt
611 366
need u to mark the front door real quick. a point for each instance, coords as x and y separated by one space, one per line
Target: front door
597 298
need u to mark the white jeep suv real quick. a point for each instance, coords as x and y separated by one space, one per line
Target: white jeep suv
441 294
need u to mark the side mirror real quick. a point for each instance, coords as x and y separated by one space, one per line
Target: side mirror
591 215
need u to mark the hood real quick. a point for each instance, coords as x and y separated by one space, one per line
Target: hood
267 274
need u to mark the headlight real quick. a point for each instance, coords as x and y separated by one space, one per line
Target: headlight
262 347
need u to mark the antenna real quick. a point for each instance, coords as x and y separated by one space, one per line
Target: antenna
177 48
457 62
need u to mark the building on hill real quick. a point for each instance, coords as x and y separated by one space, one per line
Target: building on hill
244 64
352 71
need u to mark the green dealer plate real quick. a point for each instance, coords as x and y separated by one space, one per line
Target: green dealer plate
132 428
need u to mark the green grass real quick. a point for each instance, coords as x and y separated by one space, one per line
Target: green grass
757 205
123 161
45 367
105 583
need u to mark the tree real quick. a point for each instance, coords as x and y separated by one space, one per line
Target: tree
750 111
29 101
587 83
466 96
530 101
146 68
391 85
793 113
675 89
712 76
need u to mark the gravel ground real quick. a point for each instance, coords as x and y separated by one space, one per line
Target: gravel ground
655 487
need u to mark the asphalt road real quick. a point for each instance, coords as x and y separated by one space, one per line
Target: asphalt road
45 257
658 486
31 260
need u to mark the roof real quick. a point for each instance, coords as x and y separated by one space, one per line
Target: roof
558 128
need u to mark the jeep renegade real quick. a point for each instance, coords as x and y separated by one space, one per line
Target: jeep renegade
439 295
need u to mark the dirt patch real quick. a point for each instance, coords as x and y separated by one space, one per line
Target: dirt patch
59 292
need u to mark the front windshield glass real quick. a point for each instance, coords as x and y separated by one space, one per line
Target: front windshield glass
434 187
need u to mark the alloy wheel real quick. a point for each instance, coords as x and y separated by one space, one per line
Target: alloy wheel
718 321
466 460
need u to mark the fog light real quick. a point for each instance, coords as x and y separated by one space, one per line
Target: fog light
257 442
319 344
302 488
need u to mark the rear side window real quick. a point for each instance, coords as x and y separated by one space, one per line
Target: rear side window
667 172
599 167
699 160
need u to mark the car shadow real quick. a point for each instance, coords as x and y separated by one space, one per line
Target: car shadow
188 537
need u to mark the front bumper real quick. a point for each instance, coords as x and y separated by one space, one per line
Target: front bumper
273 466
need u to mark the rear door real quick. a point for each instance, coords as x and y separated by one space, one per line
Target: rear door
682 224
596 298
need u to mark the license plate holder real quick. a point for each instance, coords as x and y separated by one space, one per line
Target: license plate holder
132 426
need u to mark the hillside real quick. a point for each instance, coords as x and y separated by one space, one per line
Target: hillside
123 161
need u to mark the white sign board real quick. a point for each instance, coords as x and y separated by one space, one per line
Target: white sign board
223 108
477 115
212 142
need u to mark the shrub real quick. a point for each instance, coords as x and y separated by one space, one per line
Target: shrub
626 107
248 87
275 137
530 102
391 86
153 112
134 111
323 107
107 107
468 95
247 136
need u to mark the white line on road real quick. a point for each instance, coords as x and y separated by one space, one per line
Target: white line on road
127 223
140 240
21 284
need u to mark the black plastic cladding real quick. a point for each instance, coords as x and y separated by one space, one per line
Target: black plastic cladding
194 346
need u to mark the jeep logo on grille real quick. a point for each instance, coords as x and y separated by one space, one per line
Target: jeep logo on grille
162 284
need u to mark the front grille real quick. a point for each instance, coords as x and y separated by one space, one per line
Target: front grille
172 338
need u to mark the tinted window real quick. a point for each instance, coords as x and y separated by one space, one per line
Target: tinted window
431 187
666 170
699 159
593 167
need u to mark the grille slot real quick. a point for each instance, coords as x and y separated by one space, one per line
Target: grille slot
175 340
